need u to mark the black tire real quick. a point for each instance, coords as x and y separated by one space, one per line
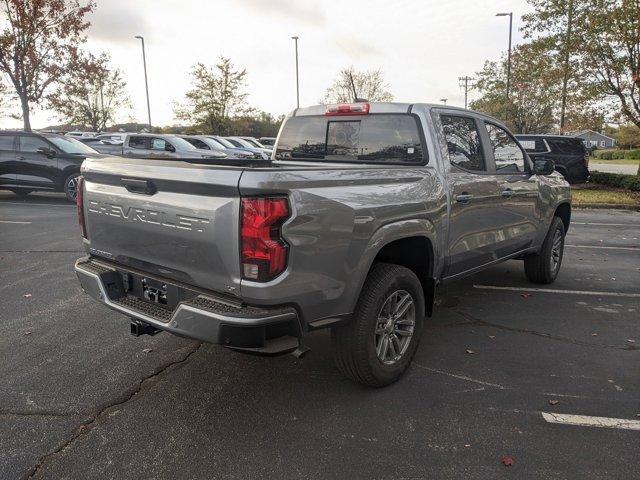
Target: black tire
354 344
540 267
21 193
70 186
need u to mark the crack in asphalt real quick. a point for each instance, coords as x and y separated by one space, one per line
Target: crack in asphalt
477 321
88 425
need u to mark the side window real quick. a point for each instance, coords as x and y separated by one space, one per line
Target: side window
463 142
161 144
199 144
506 151
6 142
32 144
138 142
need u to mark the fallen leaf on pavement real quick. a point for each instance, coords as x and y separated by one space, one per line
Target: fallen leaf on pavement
27 333
27 295
470 351
147 350
553 402
507 460
492 336
467 445
525 295
630 341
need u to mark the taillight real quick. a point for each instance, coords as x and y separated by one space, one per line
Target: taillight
347 109
264 252
80 204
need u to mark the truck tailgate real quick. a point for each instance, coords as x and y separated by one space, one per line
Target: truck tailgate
170 218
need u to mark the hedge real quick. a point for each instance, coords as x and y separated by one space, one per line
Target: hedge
617 154
630 182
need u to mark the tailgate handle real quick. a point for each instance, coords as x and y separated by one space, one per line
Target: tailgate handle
136 185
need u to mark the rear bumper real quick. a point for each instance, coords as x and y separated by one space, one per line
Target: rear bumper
266 331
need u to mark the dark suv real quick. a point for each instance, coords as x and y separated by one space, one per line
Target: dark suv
32 161
568 153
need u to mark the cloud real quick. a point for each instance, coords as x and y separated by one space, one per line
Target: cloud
116 22
303 10
356 48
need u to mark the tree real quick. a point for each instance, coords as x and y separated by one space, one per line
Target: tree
216 96
90 94
627 136
369 85
604 46
38 38
534 89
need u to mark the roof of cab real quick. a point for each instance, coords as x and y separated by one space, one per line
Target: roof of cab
380 107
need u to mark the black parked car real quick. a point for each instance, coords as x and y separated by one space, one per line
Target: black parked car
568 153
45 162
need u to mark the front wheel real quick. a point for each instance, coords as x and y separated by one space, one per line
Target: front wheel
71 186
544 266
378 344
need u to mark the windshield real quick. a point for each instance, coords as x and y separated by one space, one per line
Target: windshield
242 143
70 145
384 138
181 143
225 142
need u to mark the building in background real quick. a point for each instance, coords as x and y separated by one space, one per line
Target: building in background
594 139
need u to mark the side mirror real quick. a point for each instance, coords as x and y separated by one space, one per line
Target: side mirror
543 167
50 153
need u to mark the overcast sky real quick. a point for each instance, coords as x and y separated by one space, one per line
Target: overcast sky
421 46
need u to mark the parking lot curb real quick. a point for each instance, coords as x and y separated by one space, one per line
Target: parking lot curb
606 206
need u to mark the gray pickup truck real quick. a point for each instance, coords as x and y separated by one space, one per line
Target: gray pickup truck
362 211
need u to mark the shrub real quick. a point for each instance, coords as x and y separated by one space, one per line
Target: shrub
616 154
630 182
633 155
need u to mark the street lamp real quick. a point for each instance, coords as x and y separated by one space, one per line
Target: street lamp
444 100
510 15
295 39
146 83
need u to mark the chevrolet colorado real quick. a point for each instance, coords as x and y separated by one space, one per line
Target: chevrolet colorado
363 209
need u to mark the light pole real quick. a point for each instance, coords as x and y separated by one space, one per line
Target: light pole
510 15
295 39
466 79
444 100
146 83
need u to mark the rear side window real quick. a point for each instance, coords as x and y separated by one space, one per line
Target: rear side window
6 142
198 143
138 142
32 144
463 142
566 146
393 138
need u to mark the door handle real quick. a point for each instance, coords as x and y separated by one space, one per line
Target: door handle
464 198
136 185
508 193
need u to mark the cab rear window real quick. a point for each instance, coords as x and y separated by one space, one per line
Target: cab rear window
381 138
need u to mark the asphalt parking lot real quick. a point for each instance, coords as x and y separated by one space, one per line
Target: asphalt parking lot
502 369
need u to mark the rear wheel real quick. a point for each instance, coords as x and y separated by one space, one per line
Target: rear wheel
544 266
378 344
71 186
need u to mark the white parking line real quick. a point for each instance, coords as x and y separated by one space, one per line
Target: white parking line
588 421
605 248
606 224
553 290
11 221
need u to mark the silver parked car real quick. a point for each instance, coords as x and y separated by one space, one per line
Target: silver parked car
257 153
147 145
204 142
242 143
